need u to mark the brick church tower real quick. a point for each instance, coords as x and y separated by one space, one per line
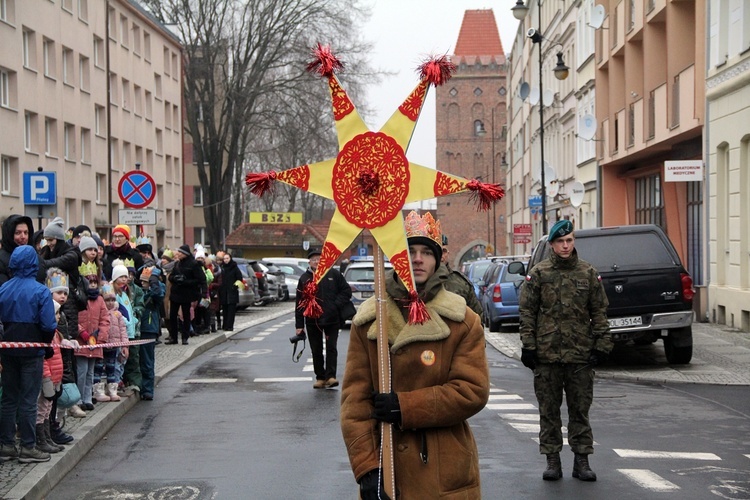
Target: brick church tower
471 133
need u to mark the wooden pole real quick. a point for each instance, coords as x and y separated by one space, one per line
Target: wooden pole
384 369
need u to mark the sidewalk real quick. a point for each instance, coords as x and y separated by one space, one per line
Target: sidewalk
34 481
720 356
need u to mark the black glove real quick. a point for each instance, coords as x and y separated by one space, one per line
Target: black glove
368 486
528 358
598 357
387 408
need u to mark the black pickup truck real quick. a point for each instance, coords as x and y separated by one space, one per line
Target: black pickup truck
650 293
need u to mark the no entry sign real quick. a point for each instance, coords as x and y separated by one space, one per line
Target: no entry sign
137 189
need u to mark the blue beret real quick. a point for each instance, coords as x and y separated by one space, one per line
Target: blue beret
561 228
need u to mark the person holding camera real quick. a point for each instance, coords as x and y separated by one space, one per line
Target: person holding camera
440 379
333 294
187 278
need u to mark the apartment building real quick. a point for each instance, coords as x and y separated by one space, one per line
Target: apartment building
650 91
90 90
728 162
471 132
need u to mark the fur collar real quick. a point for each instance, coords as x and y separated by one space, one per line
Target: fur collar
446 305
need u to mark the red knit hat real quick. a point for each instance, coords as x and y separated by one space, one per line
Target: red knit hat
123 230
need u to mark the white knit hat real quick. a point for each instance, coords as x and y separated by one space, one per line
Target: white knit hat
119 270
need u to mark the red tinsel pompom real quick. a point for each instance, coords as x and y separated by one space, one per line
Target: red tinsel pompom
417 309
260 182
325 62
309 303
437 70
368 181
485 194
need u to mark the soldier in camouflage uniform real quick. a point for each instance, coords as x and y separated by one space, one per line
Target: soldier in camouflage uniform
458 283
565 333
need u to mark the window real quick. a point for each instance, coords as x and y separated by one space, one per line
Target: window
100 188
125 156
67 5
113 147
197 196
68 66
30 131
157 85
84 79
7 88
113 93
175 66
176 121
125 94
99 123
69 141
83 10
479 129
50 137
149 105
137 100
167 61
159 141
98 52
124 31
29 49
147 46
136 39
112 23
649 204
85 145
8 166
167 115
48 51
8 11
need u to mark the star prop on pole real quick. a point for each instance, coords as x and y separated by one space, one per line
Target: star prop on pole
371 179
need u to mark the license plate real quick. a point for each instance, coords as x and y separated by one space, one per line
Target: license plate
620 322
366 295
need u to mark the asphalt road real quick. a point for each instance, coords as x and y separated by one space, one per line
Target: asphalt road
242 421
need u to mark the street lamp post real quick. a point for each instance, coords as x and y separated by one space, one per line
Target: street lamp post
561 73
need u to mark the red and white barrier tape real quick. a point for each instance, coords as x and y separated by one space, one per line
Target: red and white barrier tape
19 345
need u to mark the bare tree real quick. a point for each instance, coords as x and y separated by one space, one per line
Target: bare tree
244 80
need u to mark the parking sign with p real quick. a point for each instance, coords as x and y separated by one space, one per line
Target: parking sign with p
39 188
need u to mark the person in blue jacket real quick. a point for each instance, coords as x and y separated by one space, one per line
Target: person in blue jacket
28 315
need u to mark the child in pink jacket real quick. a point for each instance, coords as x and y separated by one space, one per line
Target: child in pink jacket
118 332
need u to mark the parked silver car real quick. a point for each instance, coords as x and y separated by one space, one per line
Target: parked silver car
293 269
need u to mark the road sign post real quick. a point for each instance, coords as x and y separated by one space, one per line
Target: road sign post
40 192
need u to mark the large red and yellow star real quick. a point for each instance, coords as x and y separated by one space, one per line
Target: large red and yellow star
371 178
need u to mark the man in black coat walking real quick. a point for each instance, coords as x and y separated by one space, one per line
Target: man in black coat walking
333 293
187 278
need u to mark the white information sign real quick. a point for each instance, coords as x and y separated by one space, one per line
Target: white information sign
144 216
683 170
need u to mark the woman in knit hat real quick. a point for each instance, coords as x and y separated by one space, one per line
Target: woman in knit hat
120 249
58 253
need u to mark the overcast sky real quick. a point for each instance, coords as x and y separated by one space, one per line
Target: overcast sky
405 32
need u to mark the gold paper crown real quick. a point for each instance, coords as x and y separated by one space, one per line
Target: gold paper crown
88 269
129 263
425 227
146 273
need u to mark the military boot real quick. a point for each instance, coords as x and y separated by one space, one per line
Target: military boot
554 468
581 469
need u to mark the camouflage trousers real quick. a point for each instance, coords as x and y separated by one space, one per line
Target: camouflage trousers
577 380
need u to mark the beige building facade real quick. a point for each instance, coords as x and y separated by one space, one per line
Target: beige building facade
728 162
89 90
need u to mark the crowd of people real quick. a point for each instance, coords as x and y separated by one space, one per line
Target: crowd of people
101 307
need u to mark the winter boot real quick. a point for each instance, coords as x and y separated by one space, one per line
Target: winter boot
554 468
581 469
41 440
58 435
48 437
33 454
99 393
112 391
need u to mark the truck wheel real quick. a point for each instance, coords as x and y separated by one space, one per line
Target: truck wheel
677 355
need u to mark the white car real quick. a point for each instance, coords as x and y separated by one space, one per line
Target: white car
361 278
293 268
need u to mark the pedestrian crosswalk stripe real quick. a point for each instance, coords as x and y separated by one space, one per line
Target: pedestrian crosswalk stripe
523 417
496 389
308 368
255 339
510 406
649 480
497 397
748 456
666 454
209 381
525 427
283 379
